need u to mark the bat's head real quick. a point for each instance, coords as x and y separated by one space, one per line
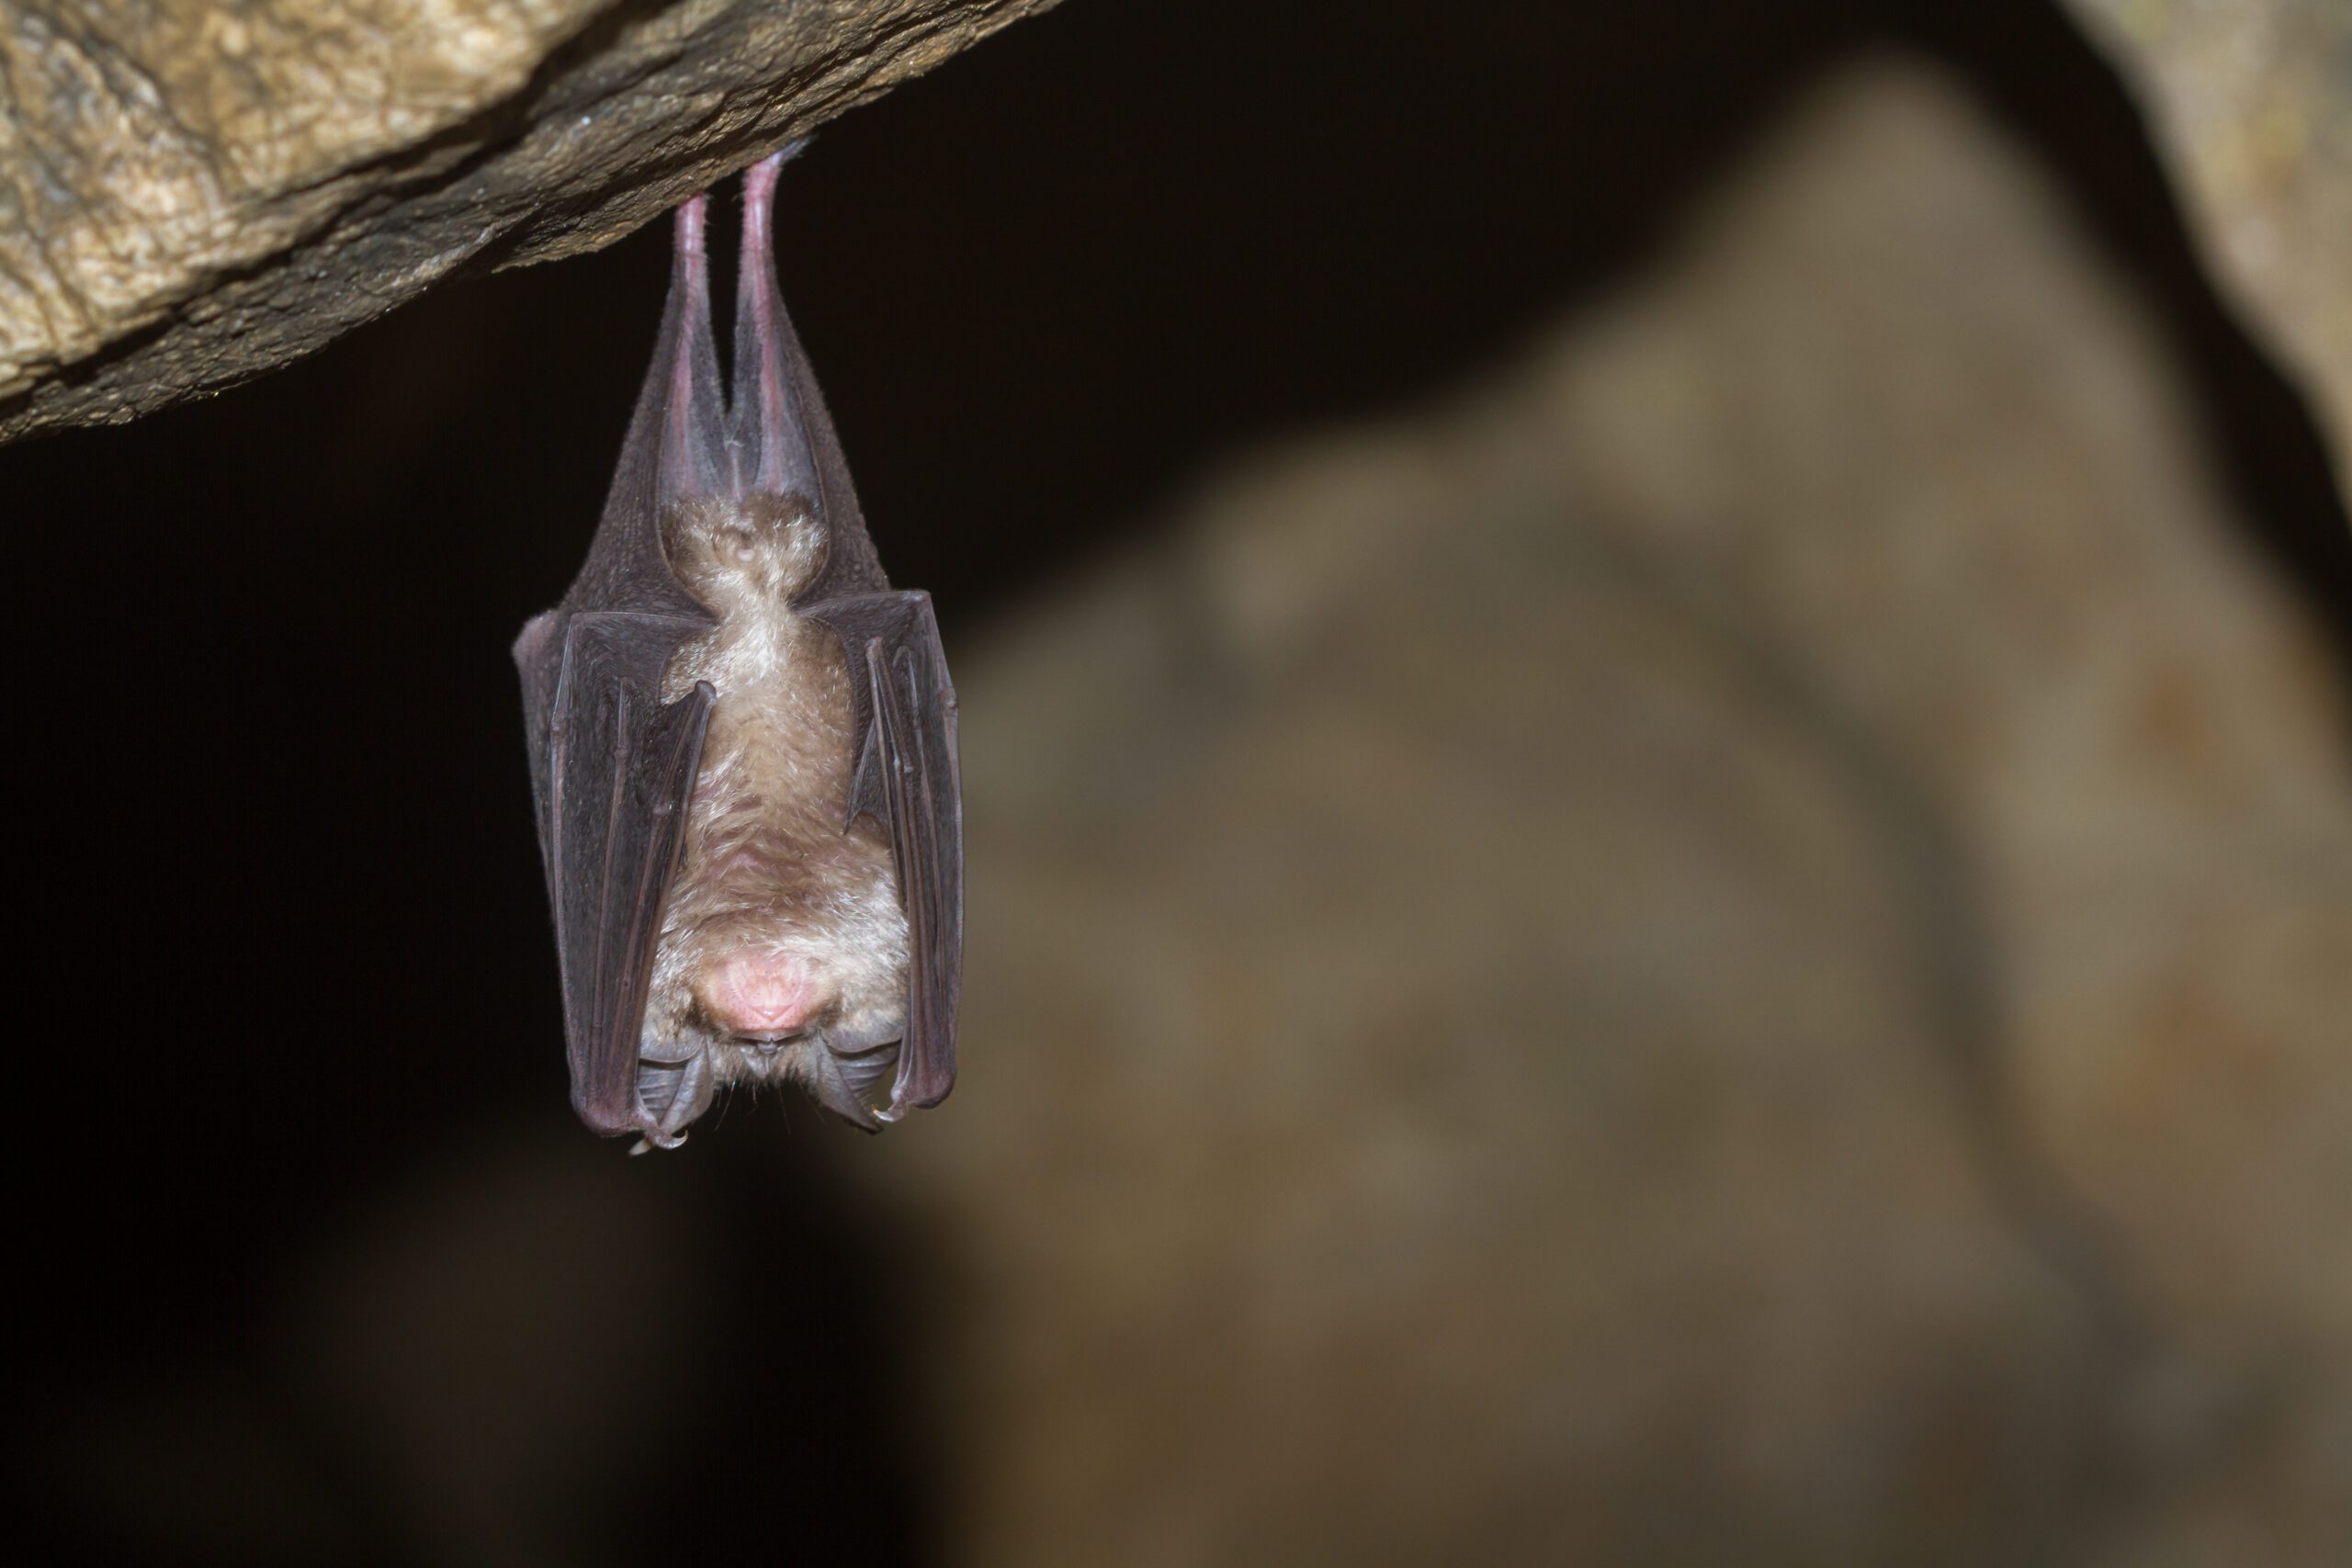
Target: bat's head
780 1015
758 994
742 554
805 996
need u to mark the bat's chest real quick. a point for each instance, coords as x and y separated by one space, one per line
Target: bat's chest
771 667
773 788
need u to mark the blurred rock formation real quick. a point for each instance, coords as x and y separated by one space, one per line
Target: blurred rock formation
1734 948
2253 101
193 192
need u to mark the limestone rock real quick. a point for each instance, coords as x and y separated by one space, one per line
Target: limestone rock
2253 101
193 192
1734 950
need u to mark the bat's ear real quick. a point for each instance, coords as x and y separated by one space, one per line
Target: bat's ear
770 426
680 412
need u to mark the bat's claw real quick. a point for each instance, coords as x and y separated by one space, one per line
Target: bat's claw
854 1074
670 1095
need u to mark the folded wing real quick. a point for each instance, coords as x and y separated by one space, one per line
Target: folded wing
623 767
906 778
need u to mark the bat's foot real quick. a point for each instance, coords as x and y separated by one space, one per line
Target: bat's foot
759 188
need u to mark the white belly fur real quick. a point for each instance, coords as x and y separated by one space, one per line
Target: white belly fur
767 866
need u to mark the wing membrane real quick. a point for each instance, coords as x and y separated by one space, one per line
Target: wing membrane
907 779
615 840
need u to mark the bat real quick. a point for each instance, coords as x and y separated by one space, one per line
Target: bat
742 745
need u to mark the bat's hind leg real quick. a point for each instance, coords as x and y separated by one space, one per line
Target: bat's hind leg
769 422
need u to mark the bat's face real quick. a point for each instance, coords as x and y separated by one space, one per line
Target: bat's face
784 946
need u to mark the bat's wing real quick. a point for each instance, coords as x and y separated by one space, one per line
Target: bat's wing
612 765
906 778
620 767
624 772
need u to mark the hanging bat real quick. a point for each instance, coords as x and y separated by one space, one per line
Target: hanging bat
743 750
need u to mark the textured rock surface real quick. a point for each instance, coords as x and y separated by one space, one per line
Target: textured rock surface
193 192
2253 101
1586 980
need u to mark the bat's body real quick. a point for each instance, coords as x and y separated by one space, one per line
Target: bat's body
743 750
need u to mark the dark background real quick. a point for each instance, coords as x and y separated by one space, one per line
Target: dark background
290 933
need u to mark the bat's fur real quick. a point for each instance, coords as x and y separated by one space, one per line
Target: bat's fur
767 864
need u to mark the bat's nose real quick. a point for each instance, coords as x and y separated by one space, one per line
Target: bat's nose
759 995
